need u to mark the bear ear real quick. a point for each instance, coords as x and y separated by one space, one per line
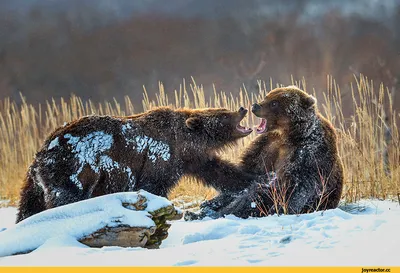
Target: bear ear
194 123
310 101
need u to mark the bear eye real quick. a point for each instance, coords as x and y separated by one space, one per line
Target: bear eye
274 104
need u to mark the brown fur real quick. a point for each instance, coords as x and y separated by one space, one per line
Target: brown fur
98 155
300 147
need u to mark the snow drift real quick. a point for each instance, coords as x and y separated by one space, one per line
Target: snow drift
364 234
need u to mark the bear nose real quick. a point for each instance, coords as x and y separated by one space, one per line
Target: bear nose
241 109
255 107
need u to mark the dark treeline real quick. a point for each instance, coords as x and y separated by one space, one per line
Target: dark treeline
47 54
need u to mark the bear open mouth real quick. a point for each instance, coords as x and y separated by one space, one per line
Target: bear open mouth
243 130
240 128
262 127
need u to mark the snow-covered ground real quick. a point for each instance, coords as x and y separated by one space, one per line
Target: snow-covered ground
360 237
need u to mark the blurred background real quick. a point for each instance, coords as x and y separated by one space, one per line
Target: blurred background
105 49
100 49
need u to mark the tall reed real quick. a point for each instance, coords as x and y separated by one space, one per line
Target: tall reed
368 140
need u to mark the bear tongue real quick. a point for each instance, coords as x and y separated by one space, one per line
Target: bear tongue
242 129
261 128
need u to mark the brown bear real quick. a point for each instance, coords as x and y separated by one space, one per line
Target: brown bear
98 155
297 151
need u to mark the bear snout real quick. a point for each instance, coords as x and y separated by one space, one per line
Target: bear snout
242 111
255 108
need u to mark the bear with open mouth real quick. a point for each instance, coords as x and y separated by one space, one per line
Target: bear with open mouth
297 152
97 155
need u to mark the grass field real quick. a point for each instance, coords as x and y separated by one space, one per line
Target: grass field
368 139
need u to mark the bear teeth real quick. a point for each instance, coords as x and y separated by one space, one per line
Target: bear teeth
261 128
243 130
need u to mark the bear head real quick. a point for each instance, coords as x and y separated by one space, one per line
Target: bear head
219 126
283 109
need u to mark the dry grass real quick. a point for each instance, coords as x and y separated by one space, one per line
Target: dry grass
370 159
369 140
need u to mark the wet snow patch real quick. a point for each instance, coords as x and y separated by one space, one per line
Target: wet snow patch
216 230
54 143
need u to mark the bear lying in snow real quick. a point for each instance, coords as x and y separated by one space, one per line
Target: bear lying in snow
296 150
98 155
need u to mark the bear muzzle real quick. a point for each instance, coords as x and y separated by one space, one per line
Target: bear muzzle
255 108
242 129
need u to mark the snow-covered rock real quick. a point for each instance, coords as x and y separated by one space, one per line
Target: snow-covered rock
122 219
